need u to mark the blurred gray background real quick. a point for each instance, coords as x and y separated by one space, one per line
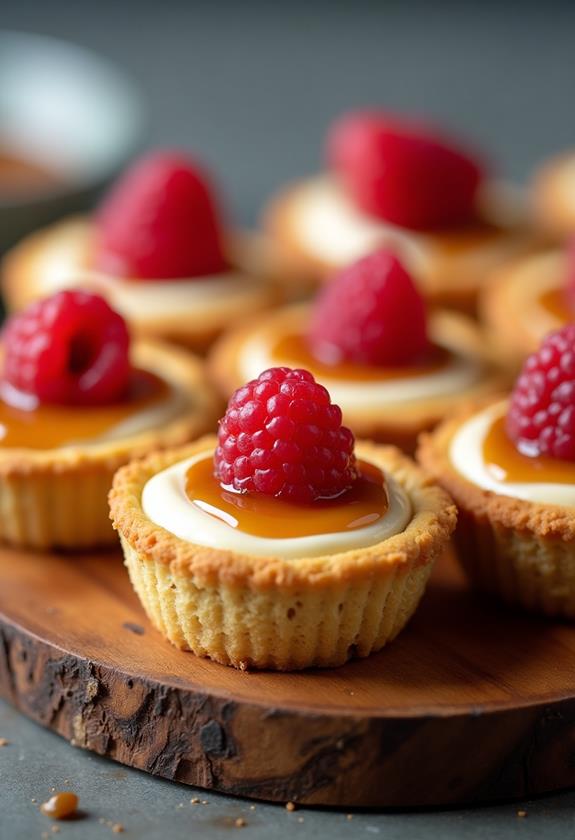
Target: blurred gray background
251 86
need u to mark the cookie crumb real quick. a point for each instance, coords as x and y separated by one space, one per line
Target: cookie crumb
55 829
118 828
4 742
290 806
521 813
349 816
300 819
195 801
252 807
205 802
240 822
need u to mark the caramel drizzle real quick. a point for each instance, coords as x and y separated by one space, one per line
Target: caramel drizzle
365 503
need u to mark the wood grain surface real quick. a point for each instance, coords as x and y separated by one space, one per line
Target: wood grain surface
471 703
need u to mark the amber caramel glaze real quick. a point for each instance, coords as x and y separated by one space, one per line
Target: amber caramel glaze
292 349
61 806
20 175
505 461
365 503
556 303
50 426
465 237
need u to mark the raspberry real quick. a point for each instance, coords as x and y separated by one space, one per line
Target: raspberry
541 416
159 222
370 313
282 436
403 171
70 348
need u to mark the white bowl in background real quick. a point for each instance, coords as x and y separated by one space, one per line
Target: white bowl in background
70 111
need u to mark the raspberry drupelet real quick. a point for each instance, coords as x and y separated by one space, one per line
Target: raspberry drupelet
71 348
282 436
541 416
370 313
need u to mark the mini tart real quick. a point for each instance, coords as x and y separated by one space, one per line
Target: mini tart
192 313
450 266
396 421
266 612
531 289
57 498
553 196
521 551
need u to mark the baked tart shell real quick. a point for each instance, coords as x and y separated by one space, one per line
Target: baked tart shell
266 612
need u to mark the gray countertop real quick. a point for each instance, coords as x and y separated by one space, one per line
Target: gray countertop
251 86
35 761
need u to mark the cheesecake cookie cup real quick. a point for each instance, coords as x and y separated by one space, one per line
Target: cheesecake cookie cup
510 467
276 585
156 249
553 196
394 369
62 442
396 184
527 299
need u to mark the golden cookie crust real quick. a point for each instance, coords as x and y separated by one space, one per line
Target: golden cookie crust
58 497
522 551
453 267
553 196
399 423
290 613
515 288
23 273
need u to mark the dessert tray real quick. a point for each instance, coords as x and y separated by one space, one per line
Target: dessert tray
472 703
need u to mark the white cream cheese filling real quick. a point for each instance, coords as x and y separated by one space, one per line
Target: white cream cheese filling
165 503
61 265
466 455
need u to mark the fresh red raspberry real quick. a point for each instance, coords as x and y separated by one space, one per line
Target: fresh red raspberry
160 222
403 171
370 313
282 436
541 416
70 348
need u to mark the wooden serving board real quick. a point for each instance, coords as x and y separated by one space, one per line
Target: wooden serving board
471 703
